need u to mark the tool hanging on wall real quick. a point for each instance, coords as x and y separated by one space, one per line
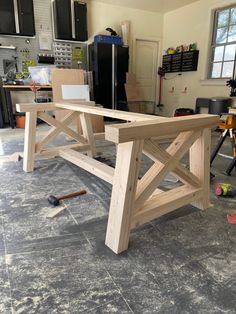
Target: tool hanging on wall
77 54
26 61
161 74
45 58
25 54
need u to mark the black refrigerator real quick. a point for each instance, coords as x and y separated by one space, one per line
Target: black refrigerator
109 64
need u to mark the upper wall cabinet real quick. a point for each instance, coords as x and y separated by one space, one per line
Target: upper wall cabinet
26 17
17 17
70 20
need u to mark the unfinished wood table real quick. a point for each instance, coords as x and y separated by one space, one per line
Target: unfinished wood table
134 201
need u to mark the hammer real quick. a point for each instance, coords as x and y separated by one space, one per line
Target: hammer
56 200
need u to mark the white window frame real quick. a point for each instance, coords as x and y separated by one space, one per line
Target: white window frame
213 45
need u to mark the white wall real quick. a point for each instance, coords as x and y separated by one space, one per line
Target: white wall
143 23
186 25
102 15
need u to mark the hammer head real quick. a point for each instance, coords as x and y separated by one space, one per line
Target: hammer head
53 200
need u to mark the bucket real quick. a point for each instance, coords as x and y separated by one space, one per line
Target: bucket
219 105
20 122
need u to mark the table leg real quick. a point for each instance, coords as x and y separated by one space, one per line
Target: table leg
29 143
1 109
4 107
200 166
123 195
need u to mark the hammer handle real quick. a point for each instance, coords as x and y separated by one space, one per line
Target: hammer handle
71 195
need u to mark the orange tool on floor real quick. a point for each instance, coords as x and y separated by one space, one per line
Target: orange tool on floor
232 218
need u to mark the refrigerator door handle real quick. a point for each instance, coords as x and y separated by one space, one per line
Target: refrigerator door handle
16 13
114 77
73 18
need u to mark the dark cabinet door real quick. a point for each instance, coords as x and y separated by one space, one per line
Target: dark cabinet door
7 17
103 74
26 17
80 10
63 27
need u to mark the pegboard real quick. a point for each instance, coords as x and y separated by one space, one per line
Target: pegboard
43 25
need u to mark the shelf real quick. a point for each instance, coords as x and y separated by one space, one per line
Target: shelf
8 47
180 62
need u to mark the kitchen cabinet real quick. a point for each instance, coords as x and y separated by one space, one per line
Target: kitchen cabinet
80 10
70 20
26 17
7 17
62 19
17 17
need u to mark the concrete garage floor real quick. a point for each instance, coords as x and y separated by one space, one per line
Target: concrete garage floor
184 262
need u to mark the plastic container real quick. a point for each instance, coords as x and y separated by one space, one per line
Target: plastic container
219 105
41 74
108 39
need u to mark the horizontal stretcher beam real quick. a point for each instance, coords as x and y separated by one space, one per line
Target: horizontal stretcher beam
134 131
89 107
89 164
117 114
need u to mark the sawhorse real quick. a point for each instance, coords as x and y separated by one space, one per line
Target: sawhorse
228 124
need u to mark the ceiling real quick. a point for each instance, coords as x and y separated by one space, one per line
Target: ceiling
162 6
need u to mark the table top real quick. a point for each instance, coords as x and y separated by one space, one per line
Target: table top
19 87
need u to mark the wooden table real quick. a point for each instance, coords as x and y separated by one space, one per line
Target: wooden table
6 106
134 201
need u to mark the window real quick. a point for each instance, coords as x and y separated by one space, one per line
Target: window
223 46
